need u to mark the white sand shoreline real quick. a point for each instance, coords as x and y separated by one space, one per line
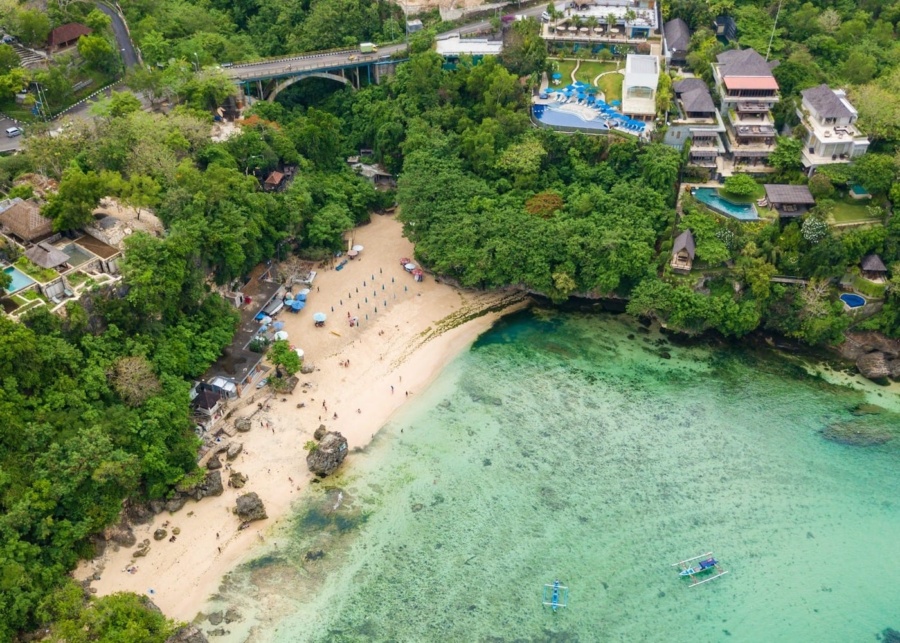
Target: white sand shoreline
397 350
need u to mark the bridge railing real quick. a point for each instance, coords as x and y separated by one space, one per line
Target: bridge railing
304 56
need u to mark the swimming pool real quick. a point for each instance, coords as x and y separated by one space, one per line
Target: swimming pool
19 279
853 301
711 197
550 115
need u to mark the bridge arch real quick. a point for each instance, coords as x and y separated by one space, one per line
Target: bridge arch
316 74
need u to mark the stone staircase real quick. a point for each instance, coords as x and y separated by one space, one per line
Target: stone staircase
28 57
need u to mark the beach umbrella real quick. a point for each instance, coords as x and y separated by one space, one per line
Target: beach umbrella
263 329
556 76
357 247
615 102
319 317
410 266
304 292
266 319
300 298
281 335
299 352
278 325
353 253
297 305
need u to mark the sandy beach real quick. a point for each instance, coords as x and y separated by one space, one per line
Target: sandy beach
408 331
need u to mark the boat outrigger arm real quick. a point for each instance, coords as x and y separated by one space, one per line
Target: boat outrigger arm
707 563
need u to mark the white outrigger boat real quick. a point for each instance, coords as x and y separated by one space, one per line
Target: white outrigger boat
699 571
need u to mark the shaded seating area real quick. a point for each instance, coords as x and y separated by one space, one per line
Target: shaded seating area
683 252
873 268
46 256
24 219
789 200
67 35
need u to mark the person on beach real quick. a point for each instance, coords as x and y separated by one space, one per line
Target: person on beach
392 389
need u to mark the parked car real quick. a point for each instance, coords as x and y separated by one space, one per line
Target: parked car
12 132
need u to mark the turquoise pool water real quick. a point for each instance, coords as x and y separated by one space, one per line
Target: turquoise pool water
712 198
557 118
584 448
19 279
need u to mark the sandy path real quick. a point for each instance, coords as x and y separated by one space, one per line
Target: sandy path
398 349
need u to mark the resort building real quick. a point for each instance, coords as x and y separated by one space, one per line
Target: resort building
683 252
24 220
676 41
639 87
66 35
624 21
697 119
748 91
725 28
830 122
454 47
789 200
873 268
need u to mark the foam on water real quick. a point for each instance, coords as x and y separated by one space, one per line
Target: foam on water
571 446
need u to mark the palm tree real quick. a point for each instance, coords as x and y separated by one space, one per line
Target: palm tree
610 23
630 17
591 23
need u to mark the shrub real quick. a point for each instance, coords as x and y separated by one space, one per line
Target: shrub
740 185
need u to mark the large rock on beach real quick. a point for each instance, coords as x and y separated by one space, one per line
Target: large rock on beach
320 432
243 424
138 513
250 508
157 506
121 535
211 486
874 366
142 550
188 634
177 501
214 463
306 369
234 450
328 455
159 534
237 479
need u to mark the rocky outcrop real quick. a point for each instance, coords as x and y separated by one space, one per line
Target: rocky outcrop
211 486
232 616
121 535
142 550
216 618
328 454
237 479
250 508
157 506
137 513
234 450
874 366
320 432
306 369
243 424
857 434
159 534
176 502
214 463
188 634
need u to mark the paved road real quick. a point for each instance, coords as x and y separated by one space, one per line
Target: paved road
308 62
126 47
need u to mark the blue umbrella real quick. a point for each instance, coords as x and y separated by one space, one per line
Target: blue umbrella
278 325
615 102
556 76
297 305
319 317
300 297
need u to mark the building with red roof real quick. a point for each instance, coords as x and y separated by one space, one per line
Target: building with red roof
67 35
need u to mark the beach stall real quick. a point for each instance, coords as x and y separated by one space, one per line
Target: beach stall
319 319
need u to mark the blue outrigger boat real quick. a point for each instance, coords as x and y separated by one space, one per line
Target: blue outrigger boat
555 595
698 571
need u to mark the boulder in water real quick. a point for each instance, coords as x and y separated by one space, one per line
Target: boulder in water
250 508
188 634
856 434
328 455
874 366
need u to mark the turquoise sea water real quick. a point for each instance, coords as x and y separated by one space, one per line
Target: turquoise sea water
568 446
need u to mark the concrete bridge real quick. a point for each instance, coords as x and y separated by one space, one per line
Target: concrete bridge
349 66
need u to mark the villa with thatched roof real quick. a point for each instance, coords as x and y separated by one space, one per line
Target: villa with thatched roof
683 252
873 268
46 256
24 219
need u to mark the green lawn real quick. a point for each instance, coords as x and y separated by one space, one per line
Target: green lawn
849 210
587 71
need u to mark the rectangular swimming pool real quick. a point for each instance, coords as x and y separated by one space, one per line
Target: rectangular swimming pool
19 280
712 198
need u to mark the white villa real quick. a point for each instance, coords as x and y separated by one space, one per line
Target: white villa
639 87
830 121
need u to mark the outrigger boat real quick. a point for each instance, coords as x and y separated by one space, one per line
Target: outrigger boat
698 571
555 595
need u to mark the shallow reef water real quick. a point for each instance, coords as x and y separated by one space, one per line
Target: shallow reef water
588 449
